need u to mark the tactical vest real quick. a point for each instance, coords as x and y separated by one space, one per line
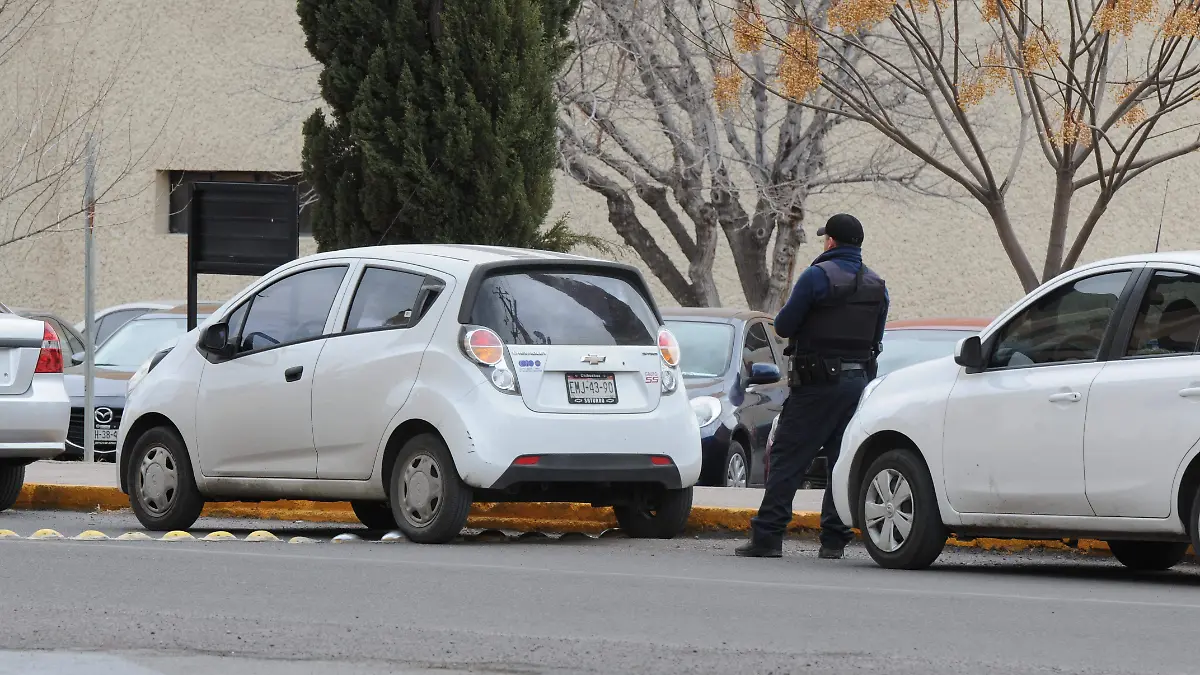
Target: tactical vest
844 325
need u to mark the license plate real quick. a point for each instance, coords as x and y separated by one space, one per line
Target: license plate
105 435
592 388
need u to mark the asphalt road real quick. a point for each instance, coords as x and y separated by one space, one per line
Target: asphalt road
595 606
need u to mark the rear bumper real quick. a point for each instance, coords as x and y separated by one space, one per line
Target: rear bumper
493 429
33 425
606 468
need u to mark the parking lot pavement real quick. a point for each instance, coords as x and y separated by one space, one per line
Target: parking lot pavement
104 475
549 606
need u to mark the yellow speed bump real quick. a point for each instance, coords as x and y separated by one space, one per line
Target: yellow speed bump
177 535
261 535
90 535
134 536
9 534
219 535
301 540
46 534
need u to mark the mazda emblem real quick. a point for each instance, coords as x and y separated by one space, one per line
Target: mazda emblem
104 415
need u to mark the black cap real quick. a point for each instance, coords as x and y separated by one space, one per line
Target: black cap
844 228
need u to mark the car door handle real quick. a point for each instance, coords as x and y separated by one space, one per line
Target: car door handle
292 374
1190 392
1066 397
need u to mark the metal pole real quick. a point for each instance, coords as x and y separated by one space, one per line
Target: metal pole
89 308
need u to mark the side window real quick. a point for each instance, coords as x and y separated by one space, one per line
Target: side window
1168 321
292 309
384 298
757 348
66 337
1063 326
779 342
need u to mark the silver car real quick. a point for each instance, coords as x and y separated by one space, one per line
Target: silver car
34 408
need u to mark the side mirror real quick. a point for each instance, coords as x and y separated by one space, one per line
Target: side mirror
215 339
79 358
968 353
764 373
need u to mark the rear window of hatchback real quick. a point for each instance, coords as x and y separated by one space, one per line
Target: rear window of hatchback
557 307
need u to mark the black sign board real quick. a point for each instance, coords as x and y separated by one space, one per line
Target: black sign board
243 229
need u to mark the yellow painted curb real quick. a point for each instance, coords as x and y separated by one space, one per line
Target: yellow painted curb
219 535
261 535
46 534
134 536
90 535
176 535
532 517
9 534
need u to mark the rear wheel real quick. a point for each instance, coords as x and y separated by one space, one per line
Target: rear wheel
1148 556
737 467
375 515
162 489
661 516
429 502
898 512
12 477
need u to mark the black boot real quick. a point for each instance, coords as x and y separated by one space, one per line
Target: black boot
753 549
830 553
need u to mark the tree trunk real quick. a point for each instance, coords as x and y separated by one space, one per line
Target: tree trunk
789 236
1060 217
998 210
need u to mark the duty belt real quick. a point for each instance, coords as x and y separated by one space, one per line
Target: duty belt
854 366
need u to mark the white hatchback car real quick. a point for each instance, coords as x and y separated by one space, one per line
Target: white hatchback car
1075 413
414 380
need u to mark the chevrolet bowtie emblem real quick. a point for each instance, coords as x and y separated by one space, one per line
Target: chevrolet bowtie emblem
594 360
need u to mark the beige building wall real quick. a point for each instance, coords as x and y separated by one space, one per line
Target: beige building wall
224 85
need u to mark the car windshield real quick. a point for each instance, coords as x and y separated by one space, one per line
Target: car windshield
903 348
137 340
704 347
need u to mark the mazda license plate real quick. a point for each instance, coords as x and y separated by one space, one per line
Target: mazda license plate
105 435
592 388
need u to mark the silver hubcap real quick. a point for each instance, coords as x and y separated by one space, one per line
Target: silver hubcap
158 480
735 472
888 510
422 490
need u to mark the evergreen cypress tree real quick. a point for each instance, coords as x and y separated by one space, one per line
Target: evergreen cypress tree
441 120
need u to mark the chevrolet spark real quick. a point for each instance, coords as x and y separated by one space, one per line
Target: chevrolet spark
412 381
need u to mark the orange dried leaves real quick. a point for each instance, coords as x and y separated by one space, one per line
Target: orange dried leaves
799 67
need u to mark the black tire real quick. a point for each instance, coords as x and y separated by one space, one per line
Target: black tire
665 517
444 517
12 477
735 453
1148 556
375 515
161 508
927 534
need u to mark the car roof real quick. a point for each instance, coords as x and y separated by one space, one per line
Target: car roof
202 310
946 323
720 313
1184 257
460 256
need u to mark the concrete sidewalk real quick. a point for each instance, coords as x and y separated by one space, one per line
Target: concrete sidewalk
105 475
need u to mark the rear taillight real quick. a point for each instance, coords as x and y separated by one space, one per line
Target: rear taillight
483 346
50 359
668 351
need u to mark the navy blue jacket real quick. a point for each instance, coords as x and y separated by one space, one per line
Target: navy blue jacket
813 286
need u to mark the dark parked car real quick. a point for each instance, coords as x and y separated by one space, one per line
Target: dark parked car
116 362
732 363
71 340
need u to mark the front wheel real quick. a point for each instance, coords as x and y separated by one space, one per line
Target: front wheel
429 501
663 516
1148 556
737 467
898 512
162 489
12 477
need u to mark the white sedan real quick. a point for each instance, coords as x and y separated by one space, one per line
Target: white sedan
34 409
1075 413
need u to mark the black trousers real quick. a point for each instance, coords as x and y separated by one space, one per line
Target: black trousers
813 417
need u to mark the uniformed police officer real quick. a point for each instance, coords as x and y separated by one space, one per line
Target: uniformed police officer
834 323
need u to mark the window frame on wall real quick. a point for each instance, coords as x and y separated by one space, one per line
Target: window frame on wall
178 183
